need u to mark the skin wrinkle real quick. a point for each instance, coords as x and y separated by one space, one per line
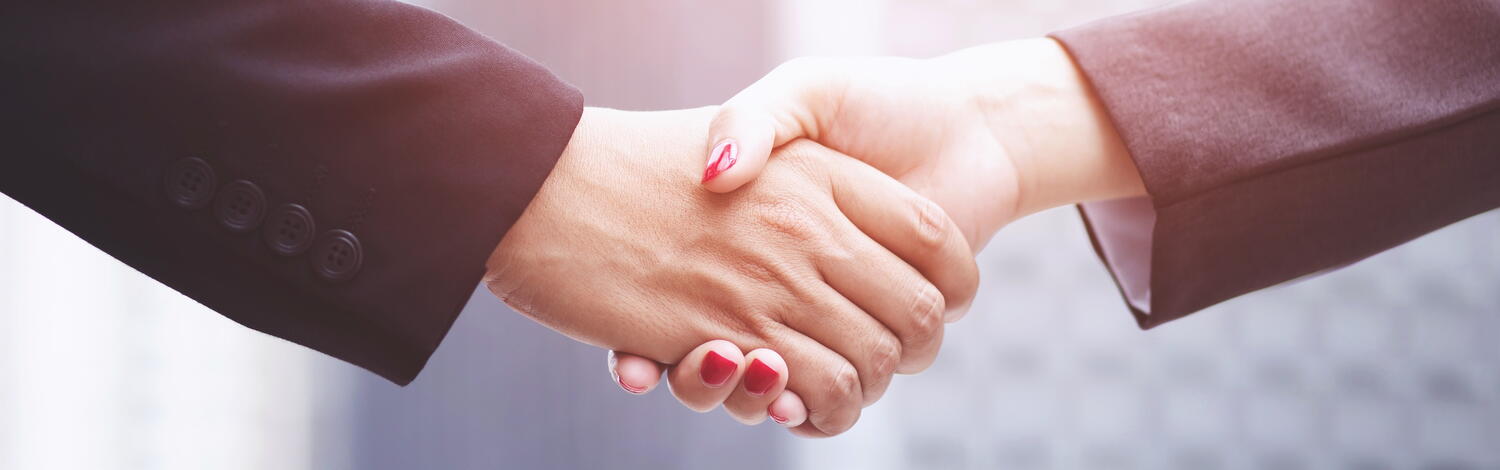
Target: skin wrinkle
845 386
783 216
804 117
903 342
790 337
745 266
887 355
929 307
726 298
884 361
830 305
706 287
1022 189
783 274
788 217
840 94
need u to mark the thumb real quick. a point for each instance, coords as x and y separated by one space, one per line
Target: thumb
790 102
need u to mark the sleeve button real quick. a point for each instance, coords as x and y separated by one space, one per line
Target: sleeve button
289 230
241 206
190 183
337 256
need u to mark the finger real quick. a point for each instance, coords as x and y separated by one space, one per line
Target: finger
826 383
634 374
834 321
787 409
892 292
809 431
765 377
956 314
790 102
706 376
908 225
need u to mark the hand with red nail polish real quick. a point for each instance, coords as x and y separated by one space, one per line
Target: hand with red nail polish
761 393
988 140
822 268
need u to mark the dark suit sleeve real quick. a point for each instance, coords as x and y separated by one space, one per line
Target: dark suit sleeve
1281 138
334 173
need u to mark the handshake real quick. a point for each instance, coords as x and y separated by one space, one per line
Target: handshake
828 238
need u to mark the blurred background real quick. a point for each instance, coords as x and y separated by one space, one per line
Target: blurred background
1390 363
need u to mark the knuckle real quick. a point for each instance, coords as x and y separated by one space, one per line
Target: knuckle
927 315
791 218
755 270
843 387
929 223
760 327
836 255
884 357
841 408
734 310
834 428
745 322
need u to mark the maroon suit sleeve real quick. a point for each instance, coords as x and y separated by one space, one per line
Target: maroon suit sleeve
334 172
1281 138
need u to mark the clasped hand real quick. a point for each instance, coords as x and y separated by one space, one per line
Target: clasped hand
830 231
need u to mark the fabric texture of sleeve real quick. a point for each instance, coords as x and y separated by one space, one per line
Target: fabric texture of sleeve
334 173
1282 138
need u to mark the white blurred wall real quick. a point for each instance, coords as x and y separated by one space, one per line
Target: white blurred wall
102 367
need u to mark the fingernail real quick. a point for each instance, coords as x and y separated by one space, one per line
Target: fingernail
777 418
633 390
716 370
760 378
720 159
614 372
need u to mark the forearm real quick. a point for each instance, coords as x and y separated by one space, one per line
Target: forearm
1051 124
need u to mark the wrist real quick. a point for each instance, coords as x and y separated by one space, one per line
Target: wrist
584 140
506 272
1055 130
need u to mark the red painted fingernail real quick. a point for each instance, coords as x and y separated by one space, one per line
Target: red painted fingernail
720 159
634 390
760 378
716 369
776 418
